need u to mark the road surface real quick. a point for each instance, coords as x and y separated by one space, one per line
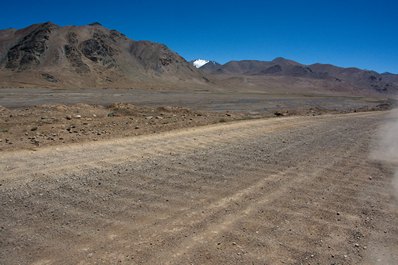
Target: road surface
295 190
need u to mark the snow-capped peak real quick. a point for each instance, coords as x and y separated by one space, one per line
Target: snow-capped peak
200 62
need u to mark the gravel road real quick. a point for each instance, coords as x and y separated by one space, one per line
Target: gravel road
292 190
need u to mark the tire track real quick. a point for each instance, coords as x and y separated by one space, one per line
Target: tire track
173 197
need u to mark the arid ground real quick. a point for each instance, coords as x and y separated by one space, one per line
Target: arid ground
287 190
233 98
120 151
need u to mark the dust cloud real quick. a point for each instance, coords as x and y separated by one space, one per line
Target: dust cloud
385 146
385 151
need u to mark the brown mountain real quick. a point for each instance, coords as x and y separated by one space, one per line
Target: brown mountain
330 76
389 77
48 55
87 56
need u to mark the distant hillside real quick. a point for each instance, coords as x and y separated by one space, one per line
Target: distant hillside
87 56
48 55
352 78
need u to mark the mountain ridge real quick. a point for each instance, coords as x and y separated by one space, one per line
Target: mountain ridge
356 77
89 55
49 55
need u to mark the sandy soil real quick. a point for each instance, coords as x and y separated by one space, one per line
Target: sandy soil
292 190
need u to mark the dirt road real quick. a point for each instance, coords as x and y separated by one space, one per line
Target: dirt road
295 190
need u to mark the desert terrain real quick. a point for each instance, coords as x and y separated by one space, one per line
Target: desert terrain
290 190
119 151
50 125
32 118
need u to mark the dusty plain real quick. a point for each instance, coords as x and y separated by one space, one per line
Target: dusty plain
129 183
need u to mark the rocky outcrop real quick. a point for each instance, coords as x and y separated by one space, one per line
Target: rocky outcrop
75 59
73 54
99 52
49 78
28 51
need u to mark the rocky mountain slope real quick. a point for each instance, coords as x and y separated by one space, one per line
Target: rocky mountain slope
90 56
87 56
353 79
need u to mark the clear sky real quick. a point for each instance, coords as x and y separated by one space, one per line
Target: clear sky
345 33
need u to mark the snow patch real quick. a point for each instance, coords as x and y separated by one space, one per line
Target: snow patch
200 62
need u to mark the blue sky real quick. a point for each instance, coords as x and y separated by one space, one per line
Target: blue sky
345 33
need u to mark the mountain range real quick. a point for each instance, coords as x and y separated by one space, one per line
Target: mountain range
48 55
353 77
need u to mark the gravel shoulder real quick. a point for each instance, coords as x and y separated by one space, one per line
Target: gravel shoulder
289 190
